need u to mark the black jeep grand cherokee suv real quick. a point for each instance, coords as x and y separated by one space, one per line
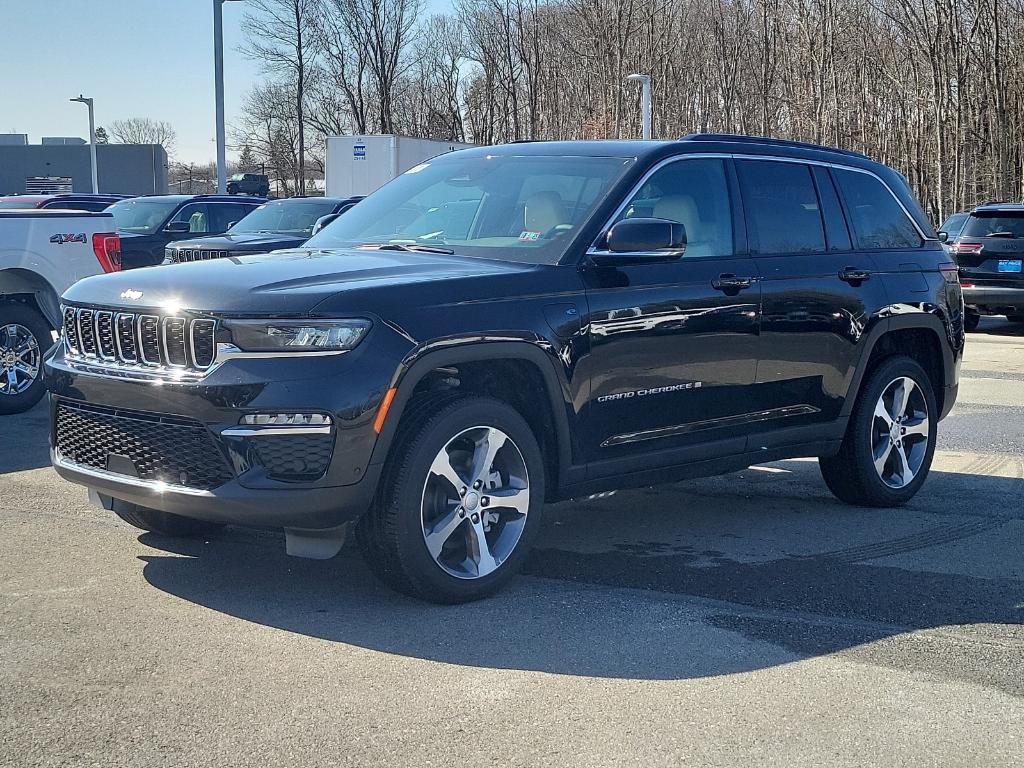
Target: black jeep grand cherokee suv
505 326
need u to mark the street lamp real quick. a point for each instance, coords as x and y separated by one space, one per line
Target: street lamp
92 141
218 86
645 103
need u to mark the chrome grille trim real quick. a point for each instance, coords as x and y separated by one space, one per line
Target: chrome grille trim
124 331
170 346
104 325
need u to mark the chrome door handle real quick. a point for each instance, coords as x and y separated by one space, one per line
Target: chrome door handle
853 275
729 283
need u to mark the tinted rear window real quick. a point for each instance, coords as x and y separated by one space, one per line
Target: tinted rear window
995 224
877 219
781 204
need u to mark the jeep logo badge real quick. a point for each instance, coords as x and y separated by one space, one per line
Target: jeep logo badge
131 294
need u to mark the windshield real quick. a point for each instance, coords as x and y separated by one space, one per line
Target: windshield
293 217
237 177
523 209
141 215
995 224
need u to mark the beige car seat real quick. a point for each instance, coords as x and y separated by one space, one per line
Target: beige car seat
543 212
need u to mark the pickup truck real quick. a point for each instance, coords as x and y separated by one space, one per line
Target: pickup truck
42 253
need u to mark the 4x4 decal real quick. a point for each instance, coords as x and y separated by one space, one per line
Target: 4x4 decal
60 239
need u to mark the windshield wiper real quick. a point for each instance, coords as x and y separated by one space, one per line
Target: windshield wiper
407 247
1001 234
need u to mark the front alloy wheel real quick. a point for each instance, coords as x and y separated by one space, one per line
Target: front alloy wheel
24 338
461 497
19 359
475 502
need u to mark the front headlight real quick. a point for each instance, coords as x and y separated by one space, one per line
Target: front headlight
297 335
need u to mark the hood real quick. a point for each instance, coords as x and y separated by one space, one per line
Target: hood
258 242
284 283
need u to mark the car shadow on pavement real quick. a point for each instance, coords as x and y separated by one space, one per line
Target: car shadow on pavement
20 454
664 609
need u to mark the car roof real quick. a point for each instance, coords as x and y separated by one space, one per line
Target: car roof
25 198
727 143
997 207
213 198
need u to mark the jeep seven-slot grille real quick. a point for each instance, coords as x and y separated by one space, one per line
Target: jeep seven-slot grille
149 446
131 339
181 255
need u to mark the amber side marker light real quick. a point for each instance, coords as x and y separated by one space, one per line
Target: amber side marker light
382 411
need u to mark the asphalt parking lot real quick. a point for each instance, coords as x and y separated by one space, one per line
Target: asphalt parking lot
741 620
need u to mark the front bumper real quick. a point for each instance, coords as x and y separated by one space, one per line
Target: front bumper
994 298
346 387
304 508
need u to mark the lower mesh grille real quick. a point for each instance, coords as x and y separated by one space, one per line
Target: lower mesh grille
161 448
293 459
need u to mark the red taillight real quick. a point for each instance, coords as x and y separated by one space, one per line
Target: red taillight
107 247
967 249
965 284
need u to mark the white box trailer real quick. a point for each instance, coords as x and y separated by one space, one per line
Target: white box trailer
358 165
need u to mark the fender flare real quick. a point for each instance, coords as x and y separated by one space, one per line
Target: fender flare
928 321
409 375
16 281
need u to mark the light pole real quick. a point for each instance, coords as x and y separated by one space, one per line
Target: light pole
92 141
645 103
218 87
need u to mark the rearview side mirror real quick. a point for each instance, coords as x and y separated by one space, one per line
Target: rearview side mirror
643 239
323 221
176 227
943 236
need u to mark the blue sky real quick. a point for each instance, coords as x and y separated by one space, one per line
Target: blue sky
136 58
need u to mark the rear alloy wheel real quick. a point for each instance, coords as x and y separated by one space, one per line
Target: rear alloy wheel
461 499
890 440
24 338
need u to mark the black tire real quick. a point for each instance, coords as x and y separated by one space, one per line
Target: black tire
391 535
851 473
165 523
232 189
971 320
13 313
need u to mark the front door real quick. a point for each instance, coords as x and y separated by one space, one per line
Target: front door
673 344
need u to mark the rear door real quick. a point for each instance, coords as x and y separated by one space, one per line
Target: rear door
817 292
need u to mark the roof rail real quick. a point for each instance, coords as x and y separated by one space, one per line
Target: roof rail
742 139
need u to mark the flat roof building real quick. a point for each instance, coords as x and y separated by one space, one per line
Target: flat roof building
129 169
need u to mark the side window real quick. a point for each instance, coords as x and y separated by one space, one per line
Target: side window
878 221
696 194
781 205
224 214
196 215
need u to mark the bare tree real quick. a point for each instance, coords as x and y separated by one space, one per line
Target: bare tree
277 35
143 130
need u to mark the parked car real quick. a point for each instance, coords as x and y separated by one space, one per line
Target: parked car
42 252
148 223
509 325
953 224
249 184
275 224
72 201
990 252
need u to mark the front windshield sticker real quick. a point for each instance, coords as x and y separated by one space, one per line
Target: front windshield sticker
527 235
